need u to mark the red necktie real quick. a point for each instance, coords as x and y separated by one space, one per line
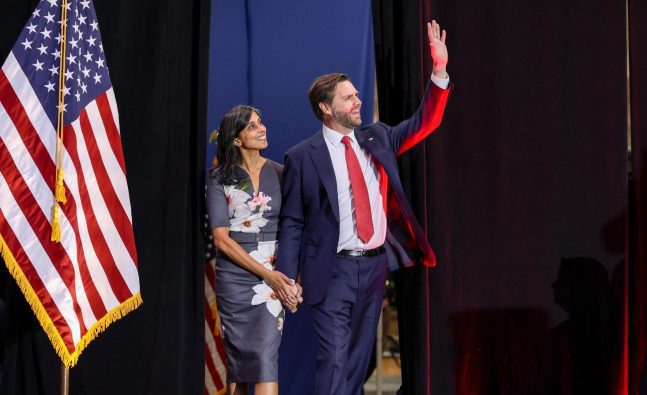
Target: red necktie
363 217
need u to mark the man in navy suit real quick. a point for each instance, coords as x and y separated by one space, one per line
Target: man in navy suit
345 218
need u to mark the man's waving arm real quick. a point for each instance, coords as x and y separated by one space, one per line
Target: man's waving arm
429 115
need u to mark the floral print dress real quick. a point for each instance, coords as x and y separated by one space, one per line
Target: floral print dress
250 315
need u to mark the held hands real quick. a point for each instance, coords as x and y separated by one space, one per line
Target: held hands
282 286
285 289
296 292
438 48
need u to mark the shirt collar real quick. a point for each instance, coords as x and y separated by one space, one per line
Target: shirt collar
334 137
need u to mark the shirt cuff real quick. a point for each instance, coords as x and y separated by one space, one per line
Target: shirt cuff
442 83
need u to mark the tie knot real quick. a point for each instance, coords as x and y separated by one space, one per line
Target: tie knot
345 140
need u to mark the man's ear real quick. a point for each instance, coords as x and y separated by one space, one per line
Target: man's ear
325 108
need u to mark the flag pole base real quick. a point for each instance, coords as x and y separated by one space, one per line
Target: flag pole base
65 379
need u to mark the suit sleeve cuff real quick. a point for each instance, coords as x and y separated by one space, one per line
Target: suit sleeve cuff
442 83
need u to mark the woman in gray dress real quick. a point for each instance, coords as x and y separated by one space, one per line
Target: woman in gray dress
244 201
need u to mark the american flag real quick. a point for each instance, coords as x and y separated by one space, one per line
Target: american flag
80 285
215 371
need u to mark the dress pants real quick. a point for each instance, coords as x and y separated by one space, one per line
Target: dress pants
346 323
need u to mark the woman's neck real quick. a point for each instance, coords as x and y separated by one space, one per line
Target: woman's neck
251 160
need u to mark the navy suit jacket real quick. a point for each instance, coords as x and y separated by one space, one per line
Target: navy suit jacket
309 225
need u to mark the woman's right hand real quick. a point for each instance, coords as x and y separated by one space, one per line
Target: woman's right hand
282 286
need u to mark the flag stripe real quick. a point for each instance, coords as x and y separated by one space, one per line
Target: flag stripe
86 279
210 275
211 360
111 129
31 104
39 258
17 197
211 313
215 343
212 341
18 116
108 142
31 274
73 220
88 259
211 323
110 93
16 70
36 220
113 202
126 268
215 356
34 147
212 368
43 195
116 283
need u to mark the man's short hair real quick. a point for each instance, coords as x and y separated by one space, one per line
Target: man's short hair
322 90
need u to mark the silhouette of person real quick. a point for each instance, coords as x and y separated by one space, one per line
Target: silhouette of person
580 347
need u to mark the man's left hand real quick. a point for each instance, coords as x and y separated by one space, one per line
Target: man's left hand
438 48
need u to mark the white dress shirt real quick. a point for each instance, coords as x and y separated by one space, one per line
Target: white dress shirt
348 239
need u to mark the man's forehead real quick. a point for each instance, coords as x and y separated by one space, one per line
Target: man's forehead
344 88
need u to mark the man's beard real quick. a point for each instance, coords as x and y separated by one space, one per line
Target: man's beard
346 119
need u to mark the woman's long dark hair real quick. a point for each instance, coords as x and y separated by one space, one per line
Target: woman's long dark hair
227 153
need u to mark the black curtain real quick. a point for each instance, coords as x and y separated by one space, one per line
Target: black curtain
157 53
522 190
638 197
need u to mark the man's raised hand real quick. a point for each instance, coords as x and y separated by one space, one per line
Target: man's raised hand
438 48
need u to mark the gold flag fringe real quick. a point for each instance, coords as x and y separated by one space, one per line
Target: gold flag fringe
69 359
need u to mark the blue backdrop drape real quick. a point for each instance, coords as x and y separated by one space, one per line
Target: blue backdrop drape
267 54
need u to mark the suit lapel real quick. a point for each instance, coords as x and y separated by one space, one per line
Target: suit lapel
323 164
379 154
369 143
386 163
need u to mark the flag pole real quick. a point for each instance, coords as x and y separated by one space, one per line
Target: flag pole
59 189
65 379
